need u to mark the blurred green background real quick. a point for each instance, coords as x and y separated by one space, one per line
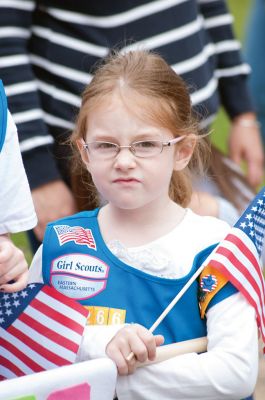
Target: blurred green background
239 9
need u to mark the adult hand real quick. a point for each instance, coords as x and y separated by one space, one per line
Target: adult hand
132 338
52 201
245 145
13 266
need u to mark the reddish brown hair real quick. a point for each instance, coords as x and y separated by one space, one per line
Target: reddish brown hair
138 76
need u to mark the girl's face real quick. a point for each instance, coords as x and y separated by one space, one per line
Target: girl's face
124 180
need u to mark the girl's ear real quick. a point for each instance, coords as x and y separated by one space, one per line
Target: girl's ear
83 152
183 153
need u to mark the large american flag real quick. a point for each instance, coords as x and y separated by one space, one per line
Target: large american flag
238 256
40 329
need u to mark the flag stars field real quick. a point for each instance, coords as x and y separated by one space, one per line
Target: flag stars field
16 303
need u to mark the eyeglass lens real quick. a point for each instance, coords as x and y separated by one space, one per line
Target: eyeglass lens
147 148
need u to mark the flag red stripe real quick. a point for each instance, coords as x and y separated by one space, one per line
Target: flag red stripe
241 267
57 316
22 356
238 284
2 378
39 349
247 274
50 291
257 284
68 237
12 367
220 266
74 235
245 250
48 333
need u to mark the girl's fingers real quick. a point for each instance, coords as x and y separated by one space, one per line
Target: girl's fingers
117 350
150 343
159 340
122 365
144 345
133 339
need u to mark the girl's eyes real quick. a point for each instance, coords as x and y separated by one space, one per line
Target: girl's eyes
104 145
146 144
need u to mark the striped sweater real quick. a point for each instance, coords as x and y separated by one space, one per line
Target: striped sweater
48 48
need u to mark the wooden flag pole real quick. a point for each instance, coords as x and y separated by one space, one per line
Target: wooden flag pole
163 353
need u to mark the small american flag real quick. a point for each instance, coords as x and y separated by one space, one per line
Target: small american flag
78 234
237 257
40 329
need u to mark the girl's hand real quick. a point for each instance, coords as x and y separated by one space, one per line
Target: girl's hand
13 266
132 338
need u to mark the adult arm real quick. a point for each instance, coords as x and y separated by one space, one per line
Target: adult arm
244 139
51 196
17 213
21 88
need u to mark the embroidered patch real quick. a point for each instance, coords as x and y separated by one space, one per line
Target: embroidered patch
76 288
208 283
79 276
77 234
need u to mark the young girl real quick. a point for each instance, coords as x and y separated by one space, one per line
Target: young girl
128 259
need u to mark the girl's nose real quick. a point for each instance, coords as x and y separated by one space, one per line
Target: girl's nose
125 159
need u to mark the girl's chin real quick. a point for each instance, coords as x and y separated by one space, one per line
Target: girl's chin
128 205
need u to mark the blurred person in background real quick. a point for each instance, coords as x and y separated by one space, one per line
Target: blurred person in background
48 48
255 55
223 192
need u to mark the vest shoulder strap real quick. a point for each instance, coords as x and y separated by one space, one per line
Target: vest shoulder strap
3 115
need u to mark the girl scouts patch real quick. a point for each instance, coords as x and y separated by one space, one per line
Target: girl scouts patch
207 284
79 276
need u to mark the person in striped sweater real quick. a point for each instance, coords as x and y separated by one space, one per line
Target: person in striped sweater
48 49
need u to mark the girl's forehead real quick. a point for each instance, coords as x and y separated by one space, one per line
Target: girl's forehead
115 114
147 108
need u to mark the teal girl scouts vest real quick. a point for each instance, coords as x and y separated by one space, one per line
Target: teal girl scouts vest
77 262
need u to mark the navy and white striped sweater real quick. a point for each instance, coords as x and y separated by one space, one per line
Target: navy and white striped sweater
47 49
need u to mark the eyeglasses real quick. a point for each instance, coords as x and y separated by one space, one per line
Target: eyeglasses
142 148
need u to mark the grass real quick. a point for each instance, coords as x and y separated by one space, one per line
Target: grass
21 240
239 10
